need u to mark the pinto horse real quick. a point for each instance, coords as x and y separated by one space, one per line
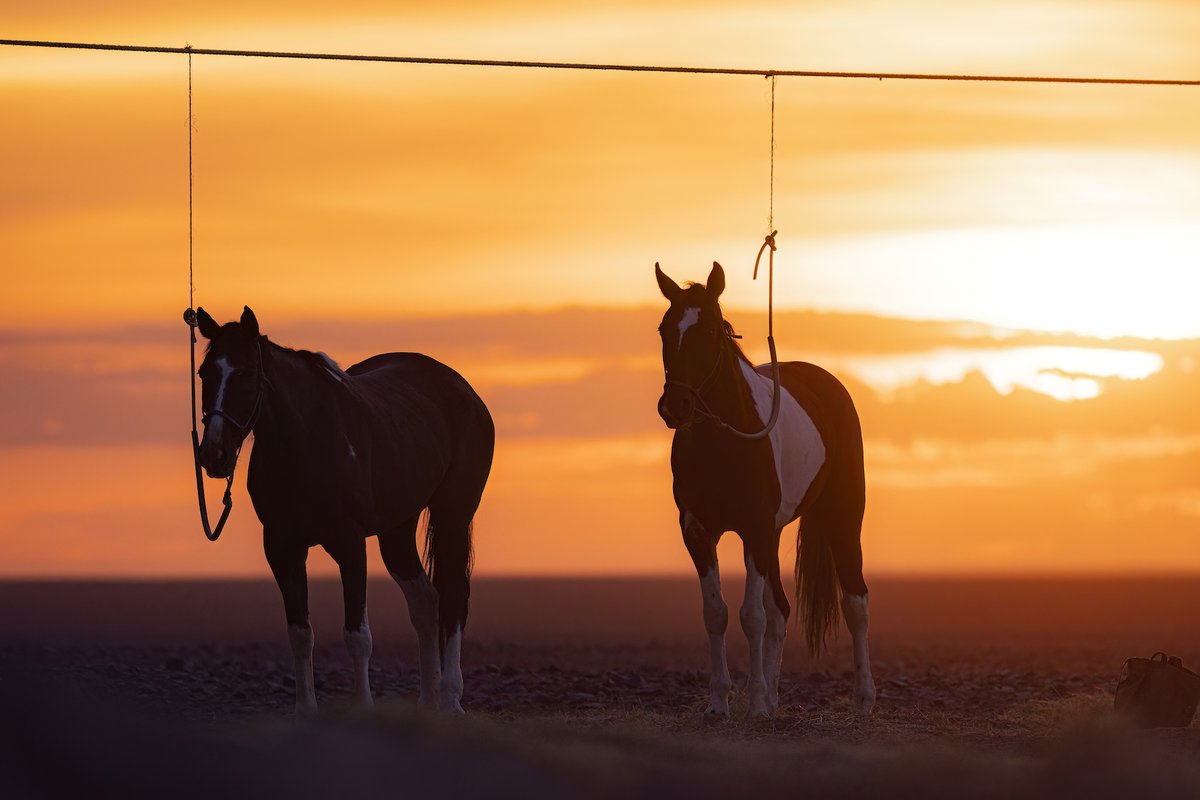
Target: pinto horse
340 456
810 467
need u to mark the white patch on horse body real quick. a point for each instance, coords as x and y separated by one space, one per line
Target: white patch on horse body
350 448
795 443
334 369
690 317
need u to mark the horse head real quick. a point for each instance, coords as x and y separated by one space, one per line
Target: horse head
693 333
233 383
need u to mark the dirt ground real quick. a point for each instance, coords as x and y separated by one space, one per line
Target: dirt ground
987 688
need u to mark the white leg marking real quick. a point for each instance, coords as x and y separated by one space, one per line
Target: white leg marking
773 645
690 317
754 624
452 680
716 619
854 609
300 637
422 601
359 646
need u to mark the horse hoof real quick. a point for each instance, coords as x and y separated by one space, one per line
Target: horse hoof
758 710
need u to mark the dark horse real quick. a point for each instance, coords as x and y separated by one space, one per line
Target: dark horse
809 467
340 456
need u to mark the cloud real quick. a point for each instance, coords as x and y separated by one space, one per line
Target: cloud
595 373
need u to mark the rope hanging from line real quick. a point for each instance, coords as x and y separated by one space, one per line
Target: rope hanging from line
768 245
189 316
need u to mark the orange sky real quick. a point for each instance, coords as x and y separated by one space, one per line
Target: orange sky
507 221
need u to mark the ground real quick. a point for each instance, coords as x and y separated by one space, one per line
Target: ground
588 688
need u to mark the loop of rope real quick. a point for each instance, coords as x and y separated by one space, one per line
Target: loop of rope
189 317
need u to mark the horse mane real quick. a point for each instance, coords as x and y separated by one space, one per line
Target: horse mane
320 363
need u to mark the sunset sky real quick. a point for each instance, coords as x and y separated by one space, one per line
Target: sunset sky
1005 275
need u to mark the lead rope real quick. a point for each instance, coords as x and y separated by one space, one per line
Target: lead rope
768 244
189 316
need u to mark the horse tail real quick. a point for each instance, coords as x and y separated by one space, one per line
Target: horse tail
817 587
449 560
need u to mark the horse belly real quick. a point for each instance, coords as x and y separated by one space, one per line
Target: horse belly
796 444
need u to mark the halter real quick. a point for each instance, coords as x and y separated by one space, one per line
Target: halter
703 408
211 533
244 427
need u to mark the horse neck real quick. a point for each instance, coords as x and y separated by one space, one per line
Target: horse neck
296 395
728 395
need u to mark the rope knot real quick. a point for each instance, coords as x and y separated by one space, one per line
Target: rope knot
768 241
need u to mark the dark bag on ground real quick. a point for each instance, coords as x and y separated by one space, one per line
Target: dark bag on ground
1157 692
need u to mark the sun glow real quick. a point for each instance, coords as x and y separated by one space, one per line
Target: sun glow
1064 373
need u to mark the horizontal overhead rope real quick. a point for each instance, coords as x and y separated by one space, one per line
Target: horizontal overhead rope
486 62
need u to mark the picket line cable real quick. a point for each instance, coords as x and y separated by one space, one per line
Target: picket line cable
573 65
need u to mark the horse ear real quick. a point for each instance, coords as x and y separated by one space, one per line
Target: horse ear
207 325
668 287
716 281
249 323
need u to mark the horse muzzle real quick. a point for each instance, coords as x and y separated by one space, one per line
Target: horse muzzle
216 455
677 409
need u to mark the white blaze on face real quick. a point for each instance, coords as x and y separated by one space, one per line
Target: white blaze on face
226 371
690 317
795 443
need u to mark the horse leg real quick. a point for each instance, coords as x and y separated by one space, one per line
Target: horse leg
777 609
847 558
351 558
450 513
702 547
754 620
287 561
398 547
